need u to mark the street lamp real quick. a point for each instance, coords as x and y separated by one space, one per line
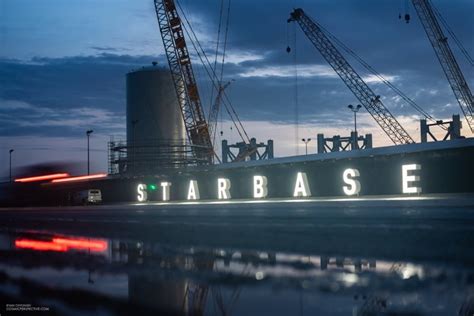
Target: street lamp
355 109
88 133
11 150
306 141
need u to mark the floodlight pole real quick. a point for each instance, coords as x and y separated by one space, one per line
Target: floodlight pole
88 133
355 109
306 141
10 152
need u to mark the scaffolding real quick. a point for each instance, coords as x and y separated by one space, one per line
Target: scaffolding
149 156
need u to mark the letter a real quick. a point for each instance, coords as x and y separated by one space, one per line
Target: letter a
301 186
193 191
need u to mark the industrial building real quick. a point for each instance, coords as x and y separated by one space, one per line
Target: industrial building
170 149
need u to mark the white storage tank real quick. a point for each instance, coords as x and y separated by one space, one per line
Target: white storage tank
156 133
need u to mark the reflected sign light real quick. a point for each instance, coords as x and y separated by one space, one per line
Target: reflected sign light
80 178
62 244
43 177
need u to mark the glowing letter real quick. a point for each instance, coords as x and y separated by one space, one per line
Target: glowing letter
142 194
223 187
301 186
193 191
353 185
410 178
260 186
166 190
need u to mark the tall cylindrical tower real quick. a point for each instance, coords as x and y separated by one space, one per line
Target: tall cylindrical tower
156 134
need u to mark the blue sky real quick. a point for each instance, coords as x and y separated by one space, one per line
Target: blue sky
63 65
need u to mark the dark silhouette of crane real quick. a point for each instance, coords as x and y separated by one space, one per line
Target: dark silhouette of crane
446 58
353 81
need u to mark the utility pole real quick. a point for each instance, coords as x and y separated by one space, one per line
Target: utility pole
11 150
306 141
355 109
88 133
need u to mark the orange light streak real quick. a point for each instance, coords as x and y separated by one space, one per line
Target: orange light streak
42 178
80 178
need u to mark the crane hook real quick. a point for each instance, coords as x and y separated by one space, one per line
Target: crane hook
407 18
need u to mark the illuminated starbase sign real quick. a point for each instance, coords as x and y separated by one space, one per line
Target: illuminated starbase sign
301 187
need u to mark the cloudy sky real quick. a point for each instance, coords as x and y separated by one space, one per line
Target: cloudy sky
63 66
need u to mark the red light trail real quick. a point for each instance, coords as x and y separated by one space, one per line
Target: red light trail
80 178
43 177
39 245
92 244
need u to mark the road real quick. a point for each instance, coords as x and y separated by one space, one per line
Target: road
416 230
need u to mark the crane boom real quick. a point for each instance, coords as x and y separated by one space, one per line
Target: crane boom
446 58
183 78
353 81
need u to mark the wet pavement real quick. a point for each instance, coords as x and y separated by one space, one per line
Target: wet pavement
281 259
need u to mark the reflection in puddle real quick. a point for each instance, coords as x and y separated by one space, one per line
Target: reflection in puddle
74 274
62 244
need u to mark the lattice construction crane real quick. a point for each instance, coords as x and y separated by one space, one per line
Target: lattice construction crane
353 81
183 78
446 58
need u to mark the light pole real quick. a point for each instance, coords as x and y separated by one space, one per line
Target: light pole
306 141
133 142
88 133
11 150
355 109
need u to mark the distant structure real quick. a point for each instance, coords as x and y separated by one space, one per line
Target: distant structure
338 143
452 129
246 151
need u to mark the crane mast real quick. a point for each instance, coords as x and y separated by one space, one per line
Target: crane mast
353 81
446 58
183 78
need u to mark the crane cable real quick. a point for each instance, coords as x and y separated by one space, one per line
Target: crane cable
221 87
212 75
453 35
296 92
221 10
377 74
223 62
225 41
